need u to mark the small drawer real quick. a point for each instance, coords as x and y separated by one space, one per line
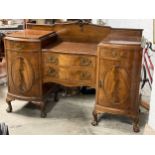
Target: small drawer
20 45
114 53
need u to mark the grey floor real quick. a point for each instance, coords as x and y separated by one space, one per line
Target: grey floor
69 116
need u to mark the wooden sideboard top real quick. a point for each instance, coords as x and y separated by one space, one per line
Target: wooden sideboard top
72 48
77 38
30 34
122 42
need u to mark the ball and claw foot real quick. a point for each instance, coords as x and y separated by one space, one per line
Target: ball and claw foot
9 109
95 121
56 97
136 125
42 108
136 128
43 114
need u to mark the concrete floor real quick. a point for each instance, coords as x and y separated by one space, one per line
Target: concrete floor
71 116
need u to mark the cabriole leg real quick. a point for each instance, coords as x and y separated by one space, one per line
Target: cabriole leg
95 121
8 101
136 125
42 108
56 97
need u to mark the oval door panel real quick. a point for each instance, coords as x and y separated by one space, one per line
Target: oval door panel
116 84
22 74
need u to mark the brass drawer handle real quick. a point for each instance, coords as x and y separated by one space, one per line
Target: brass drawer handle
52 72
114 53
117 66
85 61
101 83
118 54
85 76
53 60
20 47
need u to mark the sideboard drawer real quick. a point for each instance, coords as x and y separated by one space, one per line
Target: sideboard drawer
69 75
66 60
20 45
76 60
115 54
75 75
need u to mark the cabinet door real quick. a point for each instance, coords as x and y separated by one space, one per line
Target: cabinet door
114 84
24 73
119 78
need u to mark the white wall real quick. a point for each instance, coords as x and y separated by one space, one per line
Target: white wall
146 24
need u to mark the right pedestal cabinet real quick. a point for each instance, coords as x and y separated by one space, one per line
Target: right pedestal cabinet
118 80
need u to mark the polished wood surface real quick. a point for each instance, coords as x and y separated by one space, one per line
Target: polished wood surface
30 34
73 48
77 54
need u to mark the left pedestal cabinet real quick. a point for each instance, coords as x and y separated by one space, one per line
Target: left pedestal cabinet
24 72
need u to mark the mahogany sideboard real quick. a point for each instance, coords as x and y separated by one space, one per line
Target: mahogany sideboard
77 54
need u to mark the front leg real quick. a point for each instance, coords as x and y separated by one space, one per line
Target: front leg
136 124
8 101
56 96
42 108
95 121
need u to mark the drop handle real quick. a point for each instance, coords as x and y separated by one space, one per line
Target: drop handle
53 60
85 61
101 83
20 47
85 76
52 72
117 66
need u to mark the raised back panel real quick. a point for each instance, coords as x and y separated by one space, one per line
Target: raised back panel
83 32
76 31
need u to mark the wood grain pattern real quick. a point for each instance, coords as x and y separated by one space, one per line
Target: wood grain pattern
72 48
30 34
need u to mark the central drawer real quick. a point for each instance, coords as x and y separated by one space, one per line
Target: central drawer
69 69
68 60
72 74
